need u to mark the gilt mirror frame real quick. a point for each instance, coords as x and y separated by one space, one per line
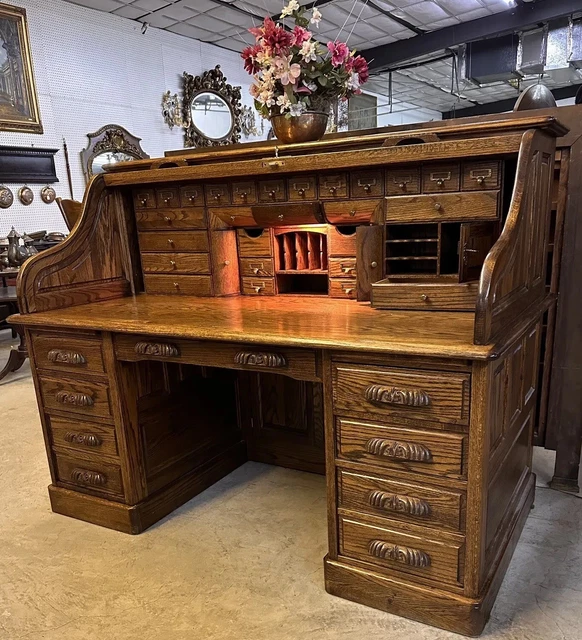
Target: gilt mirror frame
110 138
212 81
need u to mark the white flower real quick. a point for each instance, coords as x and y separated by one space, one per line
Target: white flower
309 51
353 83
266 97
297 109
283 103
316 16
290 8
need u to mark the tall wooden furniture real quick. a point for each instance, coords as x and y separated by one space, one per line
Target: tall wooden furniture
369 306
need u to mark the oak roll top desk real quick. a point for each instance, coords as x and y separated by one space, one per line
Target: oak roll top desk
366 307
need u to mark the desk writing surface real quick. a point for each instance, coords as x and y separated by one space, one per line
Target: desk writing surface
315 322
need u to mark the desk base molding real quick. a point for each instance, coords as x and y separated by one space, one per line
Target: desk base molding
134 519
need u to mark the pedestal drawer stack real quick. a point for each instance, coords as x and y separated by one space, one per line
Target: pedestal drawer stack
401 445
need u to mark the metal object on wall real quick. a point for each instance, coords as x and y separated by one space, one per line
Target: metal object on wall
575 44
172 110
27 164
6 197
48 194
248 122
25 195
531 52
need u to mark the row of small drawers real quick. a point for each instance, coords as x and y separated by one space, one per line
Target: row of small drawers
375 501
428 178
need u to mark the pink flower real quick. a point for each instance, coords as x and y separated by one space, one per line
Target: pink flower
339 52
287 73
360 66
249 55
278 40
301 35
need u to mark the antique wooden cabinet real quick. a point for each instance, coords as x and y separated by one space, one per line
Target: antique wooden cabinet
366 307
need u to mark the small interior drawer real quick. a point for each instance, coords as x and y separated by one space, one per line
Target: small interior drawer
354 211
89 437
183 263
367 183
393 549
302 188
174 241
440 178
168 198
178 284
92 475
389 446
83 397
400 182
162 219
244 193
67 352
144 198
481 175
439 396
341 241
333 186
234 216
342 267
257 267
217 194
446 207
272 191
254 242
258 286
192 196
343 288
388 294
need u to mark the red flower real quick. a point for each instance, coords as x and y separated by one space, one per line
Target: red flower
249 55
339 52
278 40
266 28
360 66
301 35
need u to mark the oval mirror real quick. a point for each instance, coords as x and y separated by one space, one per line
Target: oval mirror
108 157
211 115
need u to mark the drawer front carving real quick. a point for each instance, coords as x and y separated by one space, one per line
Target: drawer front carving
257 267
341 241
458 297
235 216
96 476
90 438
300 363
342 267
217 195
254 246
332 187
244 193
174 241
479 205
439 178
408 449
258 286
367 183
168 198
400 182
439 560
144 199
353 212
342 288
481 175
178 284
80 397
272 191
192 196
302 188
157 349
175 263
420 504
60 352
384 392
168 219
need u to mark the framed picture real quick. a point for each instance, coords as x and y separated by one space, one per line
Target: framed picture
18 100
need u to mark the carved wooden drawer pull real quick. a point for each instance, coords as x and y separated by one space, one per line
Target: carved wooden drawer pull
392 395
401 504
162 349
261 359
85 439
410 451
66 357
78 399
93 478
404 555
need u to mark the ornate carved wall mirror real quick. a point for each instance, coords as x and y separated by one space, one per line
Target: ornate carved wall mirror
212 110
111 144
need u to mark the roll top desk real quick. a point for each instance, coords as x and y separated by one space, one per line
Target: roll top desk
366 307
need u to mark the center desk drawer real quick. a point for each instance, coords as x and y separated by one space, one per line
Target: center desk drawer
446 207
393 447
409 393
415 503
192 218
81 397
298 363
406 552
59 352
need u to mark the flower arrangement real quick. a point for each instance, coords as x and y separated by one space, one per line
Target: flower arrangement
294 73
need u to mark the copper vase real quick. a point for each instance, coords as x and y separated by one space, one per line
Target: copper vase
307 127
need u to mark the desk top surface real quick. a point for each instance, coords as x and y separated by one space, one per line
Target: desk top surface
314 322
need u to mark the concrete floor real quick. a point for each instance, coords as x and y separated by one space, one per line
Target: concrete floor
241 561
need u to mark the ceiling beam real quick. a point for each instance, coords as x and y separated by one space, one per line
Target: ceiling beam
506 105
388 56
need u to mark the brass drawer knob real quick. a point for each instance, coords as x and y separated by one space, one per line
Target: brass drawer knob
85 439
272 194
396 553
159 349
258 289
408 451
392 395
280 216
333 191
167 200
177 286
373 264
438 206
402 185
173 264
171 242
353 213
66 357
400 504
192 198
301 193
217 197
367 188
260 359
424 297
480 179
77 399
92 478
347 269
440 182
168 219
226 263
243 197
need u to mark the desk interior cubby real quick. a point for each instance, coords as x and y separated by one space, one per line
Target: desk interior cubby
301 260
